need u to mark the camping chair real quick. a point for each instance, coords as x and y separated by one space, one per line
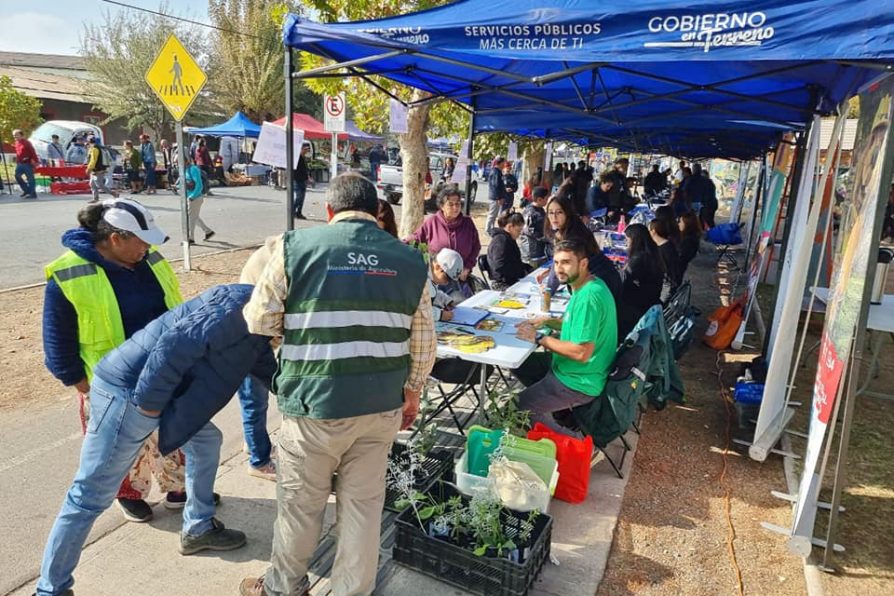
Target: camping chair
484 268
725 237
612 414
679 317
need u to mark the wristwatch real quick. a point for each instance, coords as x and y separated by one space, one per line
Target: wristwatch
538 336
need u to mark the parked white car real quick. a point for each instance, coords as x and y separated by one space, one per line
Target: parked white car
66 129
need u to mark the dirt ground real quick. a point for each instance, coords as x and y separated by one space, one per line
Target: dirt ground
673 532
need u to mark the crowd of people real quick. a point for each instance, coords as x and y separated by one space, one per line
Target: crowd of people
150 370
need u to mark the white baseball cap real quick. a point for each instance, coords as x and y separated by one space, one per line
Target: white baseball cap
131 216
451 262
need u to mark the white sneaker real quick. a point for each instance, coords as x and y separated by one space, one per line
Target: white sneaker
267 472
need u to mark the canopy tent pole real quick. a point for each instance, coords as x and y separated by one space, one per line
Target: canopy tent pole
290 135
469 153
314 72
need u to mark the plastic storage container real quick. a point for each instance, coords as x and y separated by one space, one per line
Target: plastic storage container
450 563
470 484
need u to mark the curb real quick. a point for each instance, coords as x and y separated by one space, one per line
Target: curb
178 260
812 573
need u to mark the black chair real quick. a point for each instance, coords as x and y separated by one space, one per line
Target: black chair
484 267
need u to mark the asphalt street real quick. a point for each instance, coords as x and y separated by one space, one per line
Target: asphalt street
30 231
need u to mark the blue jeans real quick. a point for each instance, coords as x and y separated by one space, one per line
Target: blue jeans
115 433
150 173
298 193
253 397
25 177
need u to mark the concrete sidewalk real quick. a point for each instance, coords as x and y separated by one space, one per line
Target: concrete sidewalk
142 559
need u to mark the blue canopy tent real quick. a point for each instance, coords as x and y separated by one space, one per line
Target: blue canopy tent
355 134
237 126
640 75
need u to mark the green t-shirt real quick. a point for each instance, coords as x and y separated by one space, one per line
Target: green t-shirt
591 317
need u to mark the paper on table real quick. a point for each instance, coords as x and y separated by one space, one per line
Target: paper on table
467 316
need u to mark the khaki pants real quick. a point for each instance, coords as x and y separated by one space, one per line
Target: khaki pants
309 452
195 207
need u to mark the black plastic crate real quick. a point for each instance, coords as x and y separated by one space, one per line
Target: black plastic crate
460 567
437 465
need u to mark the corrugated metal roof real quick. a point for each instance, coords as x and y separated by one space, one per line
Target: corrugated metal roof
850 133
44 85
52 61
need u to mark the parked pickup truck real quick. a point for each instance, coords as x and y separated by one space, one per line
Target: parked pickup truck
391 179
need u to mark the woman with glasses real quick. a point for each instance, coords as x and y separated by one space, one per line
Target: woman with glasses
450 228
110 283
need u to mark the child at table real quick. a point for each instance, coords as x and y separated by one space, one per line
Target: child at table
444 287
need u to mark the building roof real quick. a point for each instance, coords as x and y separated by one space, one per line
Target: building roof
49 61
46 85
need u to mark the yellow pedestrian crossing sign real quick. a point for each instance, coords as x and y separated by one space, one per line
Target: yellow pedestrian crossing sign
176 78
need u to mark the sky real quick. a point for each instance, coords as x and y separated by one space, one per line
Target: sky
56 26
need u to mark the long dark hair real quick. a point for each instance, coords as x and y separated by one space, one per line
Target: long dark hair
386 216
642 247
691 225
574 228
668 227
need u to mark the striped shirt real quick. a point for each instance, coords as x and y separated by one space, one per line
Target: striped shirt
265 312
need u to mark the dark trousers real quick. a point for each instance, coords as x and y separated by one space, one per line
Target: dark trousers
298 193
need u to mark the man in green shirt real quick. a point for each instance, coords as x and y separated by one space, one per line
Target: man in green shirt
580 358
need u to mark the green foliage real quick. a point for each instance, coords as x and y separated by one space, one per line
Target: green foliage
120 49
247 69
366 103
507 416
17 110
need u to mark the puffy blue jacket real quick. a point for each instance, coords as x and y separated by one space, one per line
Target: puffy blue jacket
189 362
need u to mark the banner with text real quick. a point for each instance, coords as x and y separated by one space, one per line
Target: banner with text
271 147
847 308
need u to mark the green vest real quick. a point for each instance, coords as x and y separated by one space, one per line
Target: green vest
352 292
87 287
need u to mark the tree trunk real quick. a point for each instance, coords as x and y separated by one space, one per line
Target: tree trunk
533 156
414 155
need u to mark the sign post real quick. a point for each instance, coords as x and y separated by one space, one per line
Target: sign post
176 78
334 122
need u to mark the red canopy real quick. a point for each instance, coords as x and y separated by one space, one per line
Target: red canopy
313 128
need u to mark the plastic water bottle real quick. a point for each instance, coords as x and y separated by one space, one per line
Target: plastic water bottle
622 224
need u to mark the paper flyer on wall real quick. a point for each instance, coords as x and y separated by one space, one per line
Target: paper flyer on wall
398 119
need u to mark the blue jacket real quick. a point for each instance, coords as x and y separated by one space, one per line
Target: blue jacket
189 362
495 188
140 300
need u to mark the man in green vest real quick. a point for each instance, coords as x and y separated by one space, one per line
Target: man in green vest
352 307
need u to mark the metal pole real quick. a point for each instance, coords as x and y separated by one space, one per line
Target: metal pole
469 154
184 202
333 157
290 135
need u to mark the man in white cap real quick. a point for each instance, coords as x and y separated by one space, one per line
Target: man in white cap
446 268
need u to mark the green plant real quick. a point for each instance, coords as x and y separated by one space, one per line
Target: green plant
486 526
507 416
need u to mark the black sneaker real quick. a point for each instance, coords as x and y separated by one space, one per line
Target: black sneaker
300 216
177 500
135 510
209 235
217 538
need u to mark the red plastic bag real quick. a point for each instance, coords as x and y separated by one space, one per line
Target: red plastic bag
573 456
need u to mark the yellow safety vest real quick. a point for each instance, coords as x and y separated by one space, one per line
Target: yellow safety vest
86 286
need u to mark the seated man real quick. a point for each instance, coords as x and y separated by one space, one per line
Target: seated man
582 356
444 278
174 375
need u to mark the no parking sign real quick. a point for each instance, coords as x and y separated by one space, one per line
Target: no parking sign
334 107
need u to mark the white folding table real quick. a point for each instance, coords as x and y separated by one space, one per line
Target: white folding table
509 351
